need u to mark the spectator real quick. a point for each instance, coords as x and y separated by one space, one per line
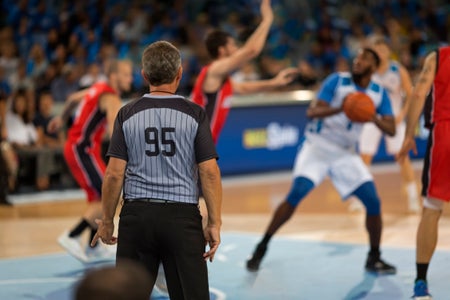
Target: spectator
9 60
65 84
94 74
4 148
21 133
37 62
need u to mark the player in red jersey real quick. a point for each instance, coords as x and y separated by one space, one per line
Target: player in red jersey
97 110
434 81
214 86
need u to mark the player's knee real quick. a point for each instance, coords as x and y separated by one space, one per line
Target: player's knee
433 203
300 188
369 197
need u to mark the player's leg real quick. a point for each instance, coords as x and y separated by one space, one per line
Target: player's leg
300 188
351 176
435 189
426 241
393 146
88 170
369 142
368 196
309 170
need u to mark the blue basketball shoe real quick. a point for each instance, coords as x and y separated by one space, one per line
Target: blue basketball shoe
421 290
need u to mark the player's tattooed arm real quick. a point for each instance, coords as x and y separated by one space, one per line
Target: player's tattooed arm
420 92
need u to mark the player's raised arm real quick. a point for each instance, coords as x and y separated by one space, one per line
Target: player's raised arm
251 48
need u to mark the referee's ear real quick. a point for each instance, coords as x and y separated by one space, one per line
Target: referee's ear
145 76
179 74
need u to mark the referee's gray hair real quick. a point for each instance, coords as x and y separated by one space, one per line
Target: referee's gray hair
161 61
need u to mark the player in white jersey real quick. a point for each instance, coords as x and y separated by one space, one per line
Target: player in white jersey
330 149
396 80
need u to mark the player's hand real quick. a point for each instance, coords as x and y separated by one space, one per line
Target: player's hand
408 144
286 76
212 238
266 10
104 233
55 124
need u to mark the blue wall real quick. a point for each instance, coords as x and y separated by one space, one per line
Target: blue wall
266 138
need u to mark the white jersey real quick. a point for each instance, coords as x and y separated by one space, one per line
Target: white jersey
392 82
338 129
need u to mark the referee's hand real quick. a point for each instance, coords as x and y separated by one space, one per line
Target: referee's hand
104 233
212 237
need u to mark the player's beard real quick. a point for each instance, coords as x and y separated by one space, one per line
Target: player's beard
358 77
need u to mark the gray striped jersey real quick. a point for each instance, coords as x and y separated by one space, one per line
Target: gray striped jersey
162 139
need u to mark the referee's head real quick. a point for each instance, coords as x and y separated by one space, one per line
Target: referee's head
161 63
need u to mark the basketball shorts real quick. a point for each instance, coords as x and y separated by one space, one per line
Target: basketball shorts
371 135
436 170
345 168
87 167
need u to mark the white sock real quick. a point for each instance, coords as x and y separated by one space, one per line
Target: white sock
411 190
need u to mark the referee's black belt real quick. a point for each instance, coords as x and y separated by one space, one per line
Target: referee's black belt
149 200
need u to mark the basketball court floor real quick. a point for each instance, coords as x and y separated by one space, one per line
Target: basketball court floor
318 254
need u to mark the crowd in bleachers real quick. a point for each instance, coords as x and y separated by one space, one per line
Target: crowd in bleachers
51 48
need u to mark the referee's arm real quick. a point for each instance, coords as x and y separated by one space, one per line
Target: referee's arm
212 192
111 190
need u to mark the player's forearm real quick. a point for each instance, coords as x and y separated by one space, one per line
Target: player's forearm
387 125
318 109
68 109
251 87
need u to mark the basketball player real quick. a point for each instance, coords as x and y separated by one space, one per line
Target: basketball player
97 108
435 76
329 149
397 82
214 85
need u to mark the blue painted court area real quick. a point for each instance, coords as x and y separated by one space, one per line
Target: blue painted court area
292 269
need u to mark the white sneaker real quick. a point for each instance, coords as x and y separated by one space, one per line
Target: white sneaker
73 246
413 205
100 253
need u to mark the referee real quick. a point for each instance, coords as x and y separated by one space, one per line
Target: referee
161 143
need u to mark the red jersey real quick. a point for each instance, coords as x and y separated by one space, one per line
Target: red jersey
216 105
440 104
89 124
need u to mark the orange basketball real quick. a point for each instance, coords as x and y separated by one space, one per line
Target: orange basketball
358 107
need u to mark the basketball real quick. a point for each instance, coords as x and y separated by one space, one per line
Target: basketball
358 107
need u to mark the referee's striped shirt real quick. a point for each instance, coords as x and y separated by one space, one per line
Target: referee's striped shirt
162 138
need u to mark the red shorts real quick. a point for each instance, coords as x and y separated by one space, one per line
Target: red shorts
87 167
436 171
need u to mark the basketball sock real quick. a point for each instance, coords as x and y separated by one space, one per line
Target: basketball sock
422 270
374 252
266 239
373 226
93 232
79 228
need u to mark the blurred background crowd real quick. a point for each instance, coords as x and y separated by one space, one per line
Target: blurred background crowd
51 48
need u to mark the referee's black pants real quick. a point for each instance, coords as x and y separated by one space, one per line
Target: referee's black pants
169 233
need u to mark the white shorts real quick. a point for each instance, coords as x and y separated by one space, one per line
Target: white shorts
371 136
347 171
